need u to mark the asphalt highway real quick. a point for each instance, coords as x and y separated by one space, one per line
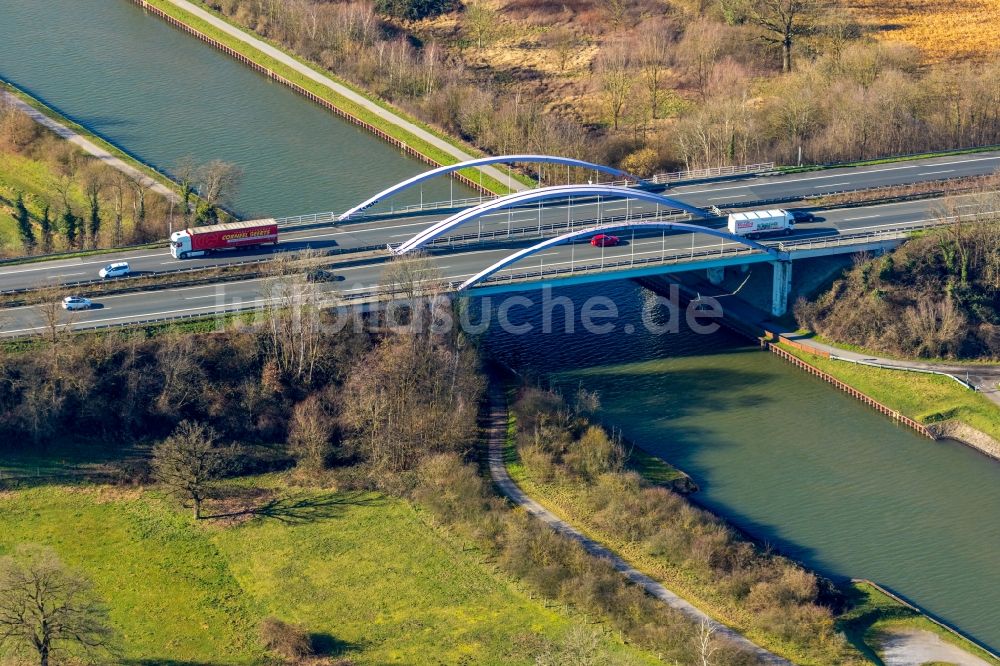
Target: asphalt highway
453 265
380 232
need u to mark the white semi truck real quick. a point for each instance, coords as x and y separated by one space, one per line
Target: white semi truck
753 223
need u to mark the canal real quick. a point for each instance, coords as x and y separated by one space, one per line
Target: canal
783 455
161 95
777 452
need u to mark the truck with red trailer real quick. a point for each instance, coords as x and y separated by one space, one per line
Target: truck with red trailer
199 241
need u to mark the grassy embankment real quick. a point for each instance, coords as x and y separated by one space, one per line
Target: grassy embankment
874 613
923 397
871 612
566 501
341 102
37 179
366 574
943 30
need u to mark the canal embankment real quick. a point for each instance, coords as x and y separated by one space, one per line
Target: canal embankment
938 404
375 116
89 142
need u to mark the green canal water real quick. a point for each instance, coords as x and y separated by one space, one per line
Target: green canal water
779 453
161 94
784 456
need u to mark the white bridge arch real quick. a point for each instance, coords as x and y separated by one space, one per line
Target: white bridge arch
545 193
502 159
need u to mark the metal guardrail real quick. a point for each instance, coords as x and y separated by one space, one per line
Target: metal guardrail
886 366
760 203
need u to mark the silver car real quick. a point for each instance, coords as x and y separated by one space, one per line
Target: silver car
76 303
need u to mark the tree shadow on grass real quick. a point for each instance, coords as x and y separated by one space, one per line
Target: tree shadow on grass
327 645
165 662
302 509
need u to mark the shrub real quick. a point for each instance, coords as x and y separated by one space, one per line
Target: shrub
414 10
642 163
286 640
450 488
594 454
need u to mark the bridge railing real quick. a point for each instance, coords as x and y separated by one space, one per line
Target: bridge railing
860 237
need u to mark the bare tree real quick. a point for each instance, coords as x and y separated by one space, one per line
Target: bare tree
188 462
186 174
48 610
56 321
705 643
481 22
411 275
292 321
616 81
653 54
784 21
219 181
309 435
616 9
564 43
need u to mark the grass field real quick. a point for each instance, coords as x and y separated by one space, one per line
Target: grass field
35 180
922 397
365 574
943 29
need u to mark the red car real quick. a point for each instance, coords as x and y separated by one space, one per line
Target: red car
604 240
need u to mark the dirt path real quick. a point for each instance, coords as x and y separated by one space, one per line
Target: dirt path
913 647
90 147
340 89
498 470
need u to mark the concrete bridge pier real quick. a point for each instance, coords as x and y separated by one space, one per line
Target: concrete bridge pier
781 286
716 275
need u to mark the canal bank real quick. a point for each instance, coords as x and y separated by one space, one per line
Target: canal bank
877 383
92 144
162 96
783 458
375 116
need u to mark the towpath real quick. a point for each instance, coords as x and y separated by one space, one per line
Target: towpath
498 470
90 147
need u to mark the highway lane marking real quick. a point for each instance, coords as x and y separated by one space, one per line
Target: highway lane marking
46 267
931 173
681 190
863 217
830 185
732 196
143 316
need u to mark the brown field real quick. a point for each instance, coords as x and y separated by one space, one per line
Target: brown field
946 30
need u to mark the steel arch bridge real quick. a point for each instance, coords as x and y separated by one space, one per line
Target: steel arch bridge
573 235
503 159
542 194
